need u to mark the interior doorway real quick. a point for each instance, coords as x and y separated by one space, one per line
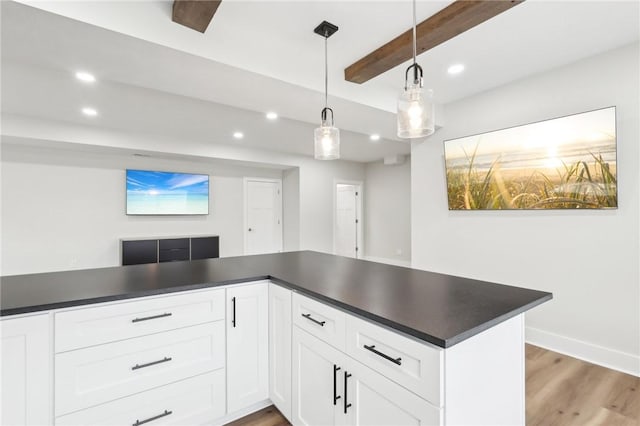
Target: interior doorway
347 219
262 215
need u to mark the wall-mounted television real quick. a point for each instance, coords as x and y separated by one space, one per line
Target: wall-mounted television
165 193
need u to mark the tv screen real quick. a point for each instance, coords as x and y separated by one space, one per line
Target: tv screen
165 193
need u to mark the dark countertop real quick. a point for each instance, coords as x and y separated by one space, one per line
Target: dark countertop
440 309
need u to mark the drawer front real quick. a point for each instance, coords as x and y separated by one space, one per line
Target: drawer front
414 365
170 255
98 374
197 400
93 326
174 243
323 321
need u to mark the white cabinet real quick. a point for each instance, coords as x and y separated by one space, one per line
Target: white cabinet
247 345
331 388
192 401
280 348
373 399
317 381
26 371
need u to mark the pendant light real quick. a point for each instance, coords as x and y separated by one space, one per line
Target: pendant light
327 136
416 116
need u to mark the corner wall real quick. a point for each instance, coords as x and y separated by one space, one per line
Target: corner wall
387 212
588 259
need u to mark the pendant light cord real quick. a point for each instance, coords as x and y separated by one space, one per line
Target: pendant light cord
326 70
414 32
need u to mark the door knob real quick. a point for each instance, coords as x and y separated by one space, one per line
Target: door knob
249 229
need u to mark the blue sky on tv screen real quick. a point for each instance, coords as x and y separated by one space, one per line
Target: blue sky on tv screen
165 183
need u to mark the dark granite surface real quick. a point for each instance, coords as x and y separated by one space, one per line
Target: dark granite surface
440 309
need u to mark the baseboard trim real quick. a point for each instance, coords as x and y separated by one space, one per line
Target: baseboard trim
396 262
242 413
609 358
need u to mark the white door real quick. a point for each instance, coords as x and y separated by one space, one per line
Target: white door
280 348
372 399
26 371
247 345
263 216
347 220
317 381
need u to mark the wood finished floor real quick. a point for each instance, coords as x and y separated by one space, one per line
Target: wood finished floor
560 391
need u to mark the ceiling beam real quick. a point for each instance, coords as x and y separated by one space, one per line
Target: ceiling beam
195 14
454 19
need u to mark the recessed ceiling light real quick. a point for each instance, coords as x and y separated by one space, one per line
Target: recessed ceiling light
238 135
85 76
375 137
272 115
455 69
89 111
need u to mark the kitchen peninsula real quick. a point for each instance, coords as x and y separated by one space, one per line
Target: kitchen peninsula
327 339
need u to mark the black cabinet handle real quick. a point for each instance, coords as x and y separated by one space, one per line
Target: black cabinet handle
346 405
150 419
335 373
308 316
372 348
233 318
166 314
149 364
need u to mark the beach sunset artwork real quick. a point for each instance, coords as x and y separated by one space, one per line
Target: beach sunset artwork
562 163
165 193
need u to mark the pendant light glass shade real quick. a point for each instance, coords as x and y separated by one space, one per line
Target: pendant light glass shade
416 112
326 139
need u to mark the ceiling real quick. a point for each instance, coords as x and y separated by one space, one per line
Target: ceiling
157 76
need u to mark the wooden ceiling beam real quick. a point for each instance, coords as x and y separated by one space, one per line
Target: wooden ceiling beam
451 21
195 14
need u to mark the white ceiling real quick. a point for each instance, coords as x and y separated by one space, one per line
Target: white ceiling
263 55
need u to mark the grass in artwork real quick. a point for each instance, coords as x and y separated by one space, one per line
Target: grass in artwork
544 171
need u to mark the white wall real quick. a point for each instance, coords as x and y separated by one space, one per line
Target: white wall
66 210
316 200
588 259
387 208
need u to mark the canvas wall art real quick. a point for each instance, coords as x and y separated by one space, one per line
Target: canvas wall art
562 163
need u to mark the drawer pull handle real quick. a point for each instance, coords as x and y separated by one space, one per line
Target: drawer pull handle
149 364
336 397
166 314
150 419
346 404
233 320
373 349
308 316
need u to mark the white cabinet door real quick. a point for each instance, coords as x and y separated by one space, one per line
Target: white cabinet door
280 348
317 381
247 345
26 371
372 399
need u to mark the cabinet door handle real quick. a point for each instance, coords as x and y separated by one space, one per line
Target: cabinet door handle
335 384
150 419
166 314
346 405
233 318
149 364
372 348
308 316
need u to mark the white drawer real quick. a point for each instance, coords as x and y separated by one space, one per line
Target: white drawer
188 402
96 325
323 321
414 365
98 374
